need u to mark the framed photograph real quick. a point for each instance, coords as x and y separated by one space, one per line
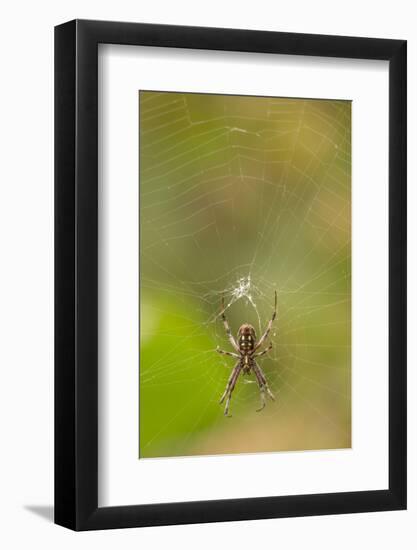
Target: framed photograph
230 252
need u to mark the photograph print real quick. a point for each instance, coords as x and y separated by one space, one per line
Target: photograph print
245 274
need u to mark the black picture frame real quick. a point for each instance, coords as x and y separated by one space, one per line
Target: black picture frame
76 273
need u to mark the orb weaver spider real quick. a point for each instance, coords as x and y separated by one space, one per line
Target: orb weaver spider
245 348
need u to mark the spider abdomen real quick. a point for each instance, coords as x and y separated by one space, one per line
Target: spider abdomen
246 338
246 343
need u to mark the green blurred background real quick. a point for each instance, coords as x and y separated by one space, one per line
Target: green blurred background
240 196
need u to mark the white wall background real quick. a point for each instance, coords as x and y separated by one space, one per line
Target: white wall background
26 271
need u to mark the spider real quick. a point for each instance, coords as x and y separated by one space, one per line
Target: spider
245 348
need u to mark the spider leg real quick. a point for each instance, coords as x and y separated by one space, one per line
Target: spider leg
264 352
268 328
263 385
227 353
231 383
227 328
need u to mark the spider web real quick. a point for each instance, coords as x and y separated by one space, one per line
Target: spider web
241 197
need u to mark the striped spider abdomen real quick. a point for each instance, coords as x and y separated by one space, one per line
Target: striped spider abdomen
246 338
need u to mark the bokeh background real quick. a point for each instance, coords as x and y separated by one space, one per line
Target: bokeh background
239 197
